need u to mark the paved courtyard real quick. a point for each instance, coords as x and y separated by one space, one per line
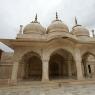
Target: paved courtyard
53 89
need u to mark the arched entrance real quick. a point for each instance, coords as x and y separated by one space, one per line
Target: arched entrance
62 65
88 64
32 66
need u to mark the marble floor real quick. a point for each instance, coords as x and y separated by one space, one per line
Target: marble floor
58 89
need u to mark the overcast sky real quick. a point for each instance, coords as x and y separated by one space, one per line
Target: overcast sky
21 12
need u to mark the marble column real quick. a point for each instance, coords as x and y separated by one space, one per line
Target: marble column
14 72
45 70
92 71
78 60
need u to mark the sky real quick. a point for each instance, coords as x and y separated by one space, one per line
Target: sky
14 13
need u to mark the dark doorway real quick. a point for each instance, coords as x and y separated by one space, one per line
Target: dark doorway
32 67
58 65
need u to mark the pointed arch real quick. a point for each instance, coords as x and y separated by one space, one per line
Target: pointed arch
88 64
62 65
32 66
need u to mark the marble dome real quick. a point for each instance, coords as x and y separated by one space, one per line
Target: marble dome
34 27
57 25
79 30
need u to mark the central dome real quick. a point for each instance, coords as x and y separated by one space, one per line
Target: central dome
34 27
57 26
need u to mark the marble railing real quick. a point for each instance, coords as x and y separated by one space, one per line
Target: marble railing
5 63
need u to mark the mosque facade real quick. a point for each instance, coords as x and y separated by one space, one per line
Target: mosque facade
52 53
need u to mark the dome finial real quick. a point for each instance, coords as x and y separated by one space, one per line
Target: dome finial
20 31
56 16
76 23
36 18
93 33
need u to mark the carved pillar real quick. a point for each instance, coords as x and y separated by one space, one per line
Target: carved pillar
14 72
45 70
78 60
92 70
